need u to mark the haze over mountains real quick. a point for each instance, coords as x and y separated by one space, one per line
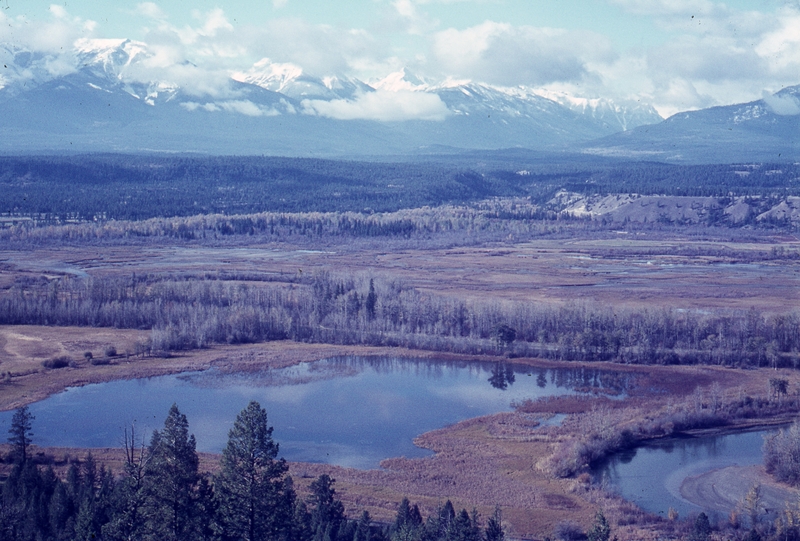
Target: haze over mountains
107 101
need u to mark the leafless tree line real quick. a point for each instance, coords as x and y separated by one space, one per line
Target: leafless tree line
194 313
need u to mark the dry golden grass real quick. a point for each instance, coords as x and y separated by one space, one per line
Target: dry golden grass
633 271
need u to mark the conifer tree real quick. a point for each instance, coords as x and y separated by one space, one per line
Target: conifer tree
251 484
19 435
440 524
126 502
601 529
494 527
327 512
407 523
372 299
363 529
171 481
701 530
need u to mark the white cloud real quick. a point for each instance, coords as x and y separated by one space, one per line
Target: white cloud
780 46
243 107
381 105
709 58
151 10
319 49
782 104
41 49
192 79
54 36
715 55
415 21
512 55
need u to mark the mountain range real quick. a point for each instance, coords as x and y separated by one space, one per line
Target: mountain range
109 100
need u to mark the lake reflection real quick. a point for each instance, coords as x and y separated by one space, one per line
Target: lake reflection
348 411
651 476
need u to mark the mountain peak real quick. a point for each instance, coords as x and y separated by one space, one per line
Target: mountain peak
290 80
274 76
402 80
627 114
112 55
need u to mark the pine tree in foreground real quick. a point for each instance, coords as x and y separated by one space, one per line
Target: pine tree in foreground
255 499
171 480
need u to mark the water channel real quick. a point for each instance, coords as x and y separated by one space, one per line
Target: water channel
347 411
651 476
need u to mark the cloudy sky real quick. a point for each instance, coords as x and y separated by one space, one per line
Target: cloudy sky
674 54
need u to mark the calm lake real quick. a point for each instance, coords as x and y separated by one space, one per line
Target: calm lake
348 411
651 476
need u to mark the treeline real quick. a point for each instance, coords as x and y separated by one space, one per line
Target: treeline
710 180
197 312
491 219
56 189
162 495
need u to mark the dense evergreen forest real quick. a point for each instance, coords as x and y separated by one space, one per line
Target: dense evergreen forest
161 495
99 187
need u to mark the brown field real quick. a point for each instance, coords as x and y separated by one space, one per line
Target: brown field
680 271
495 460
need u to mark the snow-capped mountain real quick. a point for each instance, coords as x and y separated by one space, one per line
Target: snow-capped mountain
290 80
762 130
111 57
625 115
466 97
114 95
117 65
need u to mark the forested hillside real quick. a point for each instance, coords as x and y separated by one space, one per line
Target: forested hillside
99 187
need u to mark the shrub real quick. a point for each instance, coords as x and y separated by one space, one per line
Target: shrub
111 351
57 362
782 455
100 362
568 530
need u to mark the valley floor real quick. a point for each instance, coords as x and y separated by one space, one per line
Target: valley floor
742 278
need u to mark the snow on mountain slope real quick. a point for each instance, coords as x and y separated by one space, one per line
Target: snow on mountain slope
523 101
107 91
401 81
626 115
762 130
117 63
290 80
122 65
110 56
